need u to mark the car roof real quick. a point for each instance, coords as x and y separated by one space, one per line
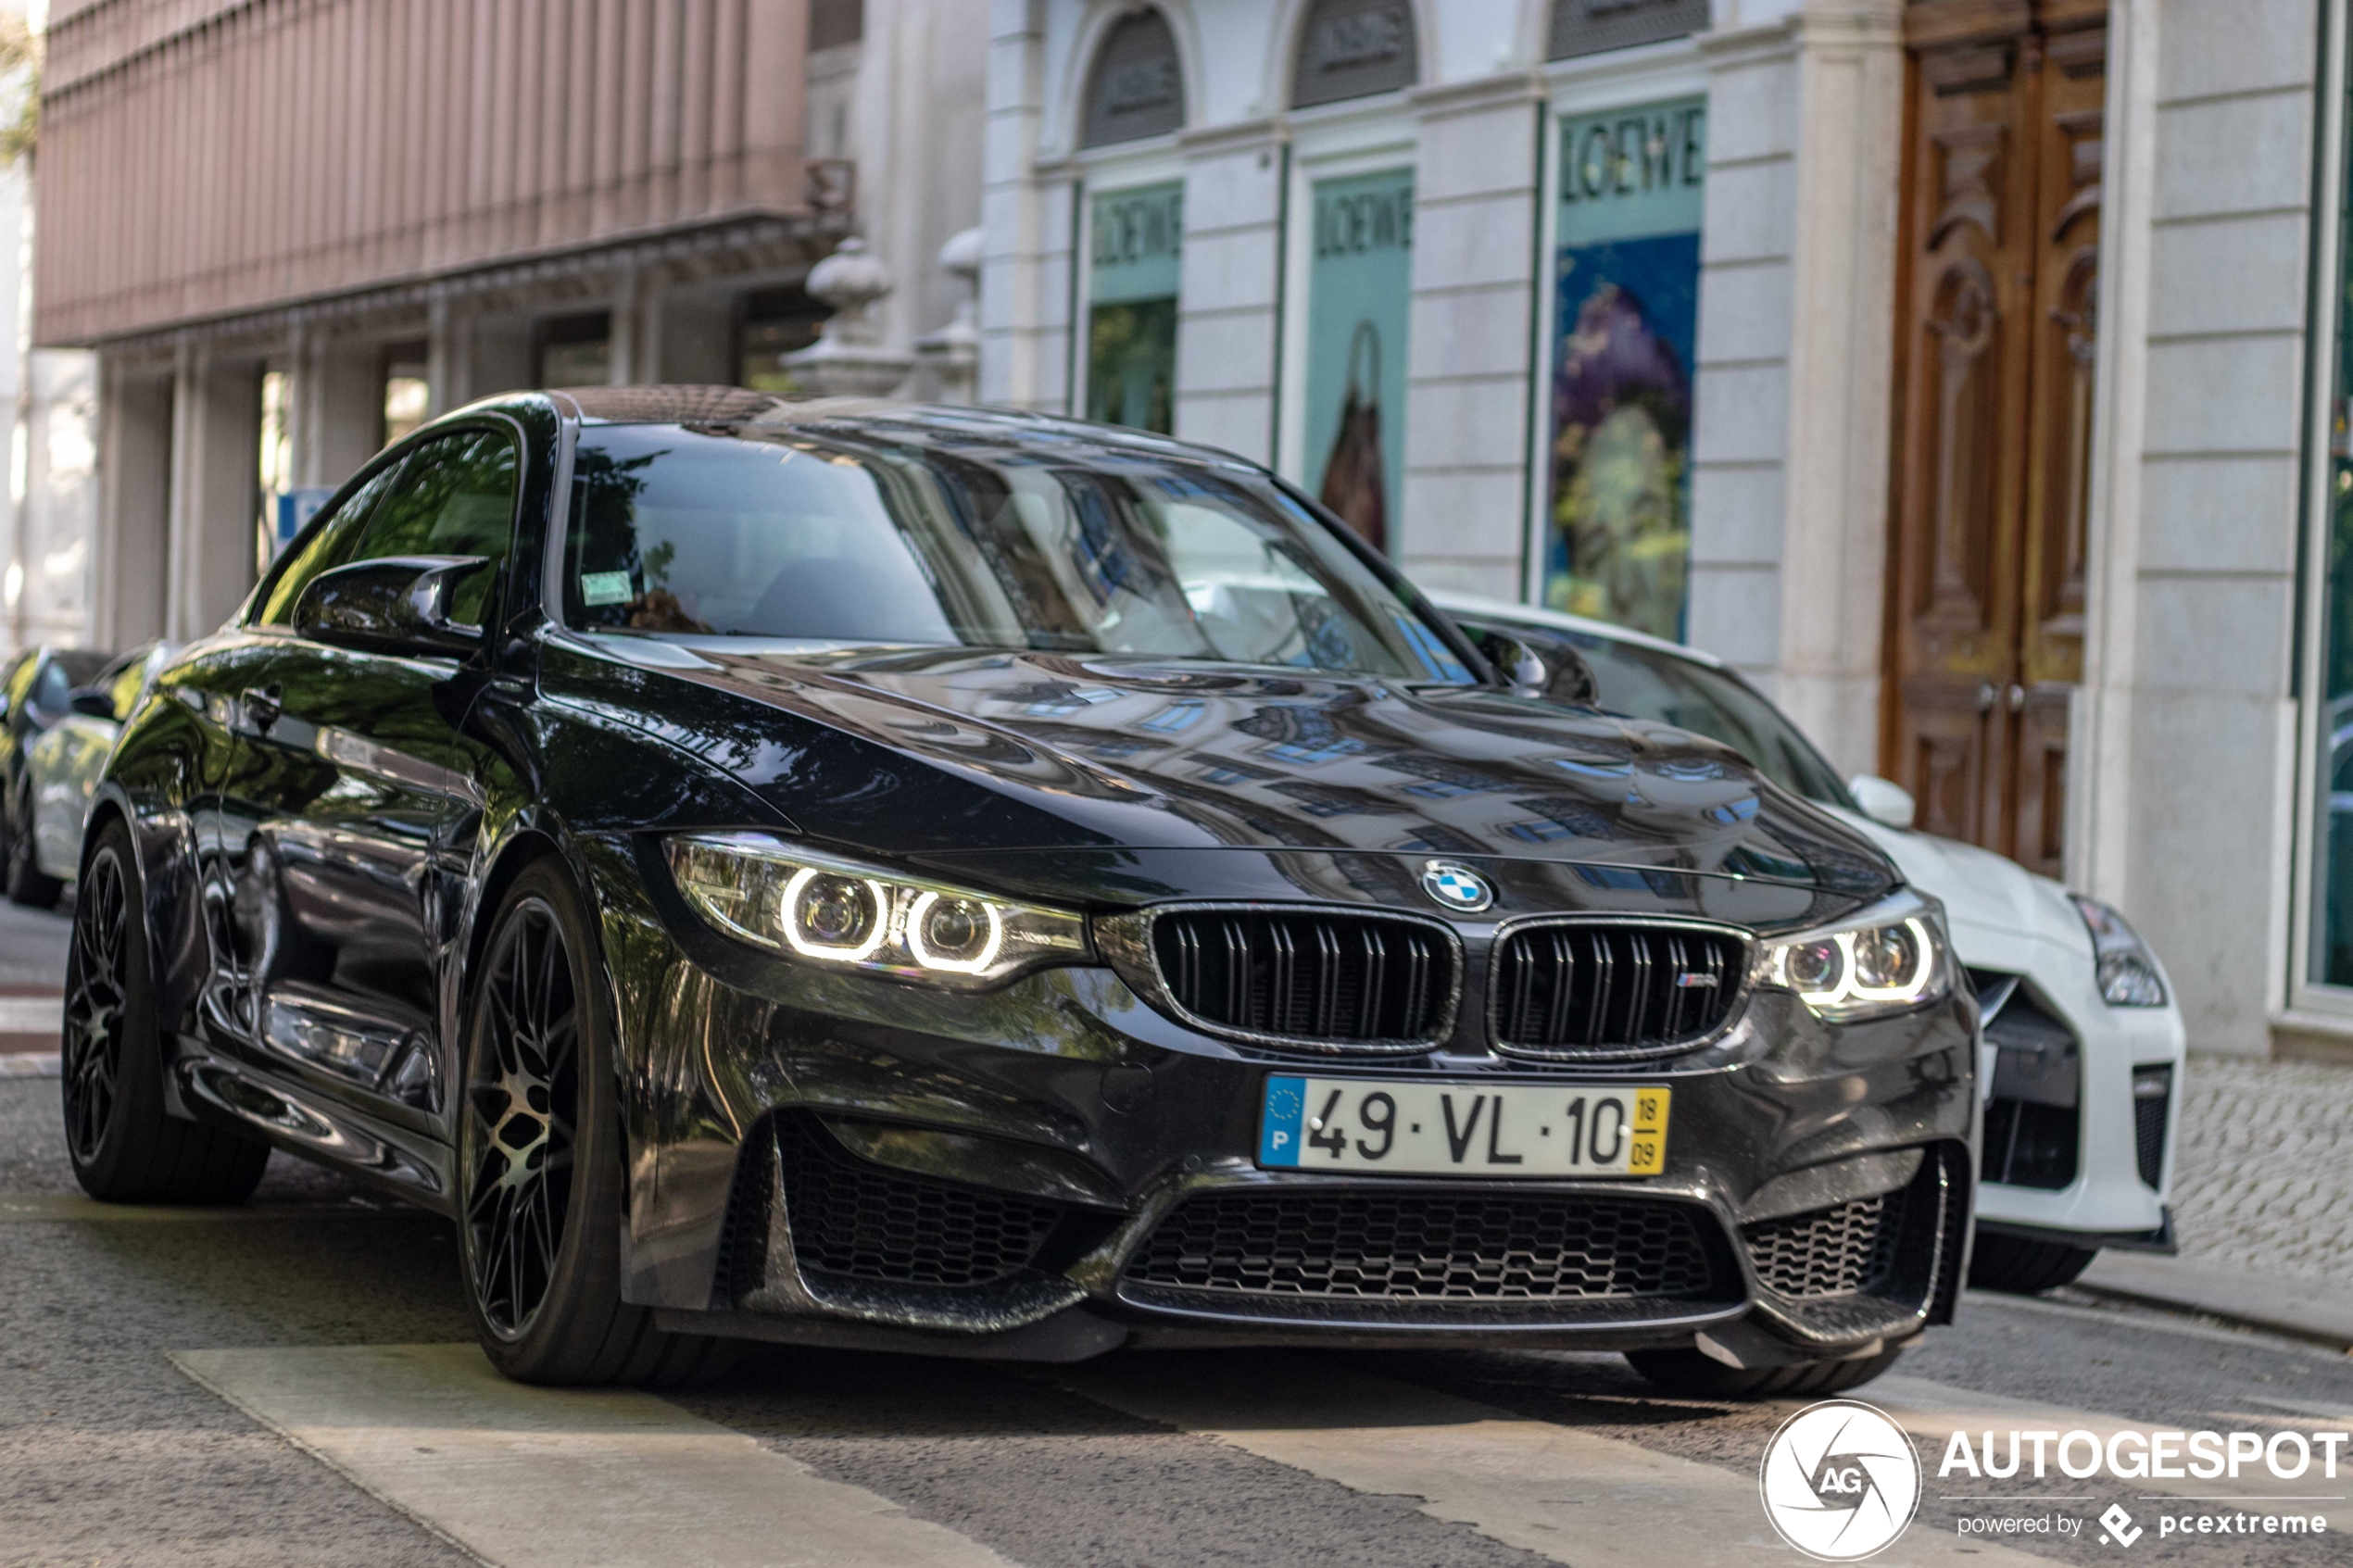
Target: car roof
1558 620
926 422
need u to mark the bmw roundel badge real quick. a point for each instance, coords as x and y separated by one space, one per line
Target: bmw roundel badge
1456 887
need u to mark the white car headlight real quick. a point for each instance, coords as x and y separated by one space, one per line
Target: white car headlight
1889 959
2128 972
792 901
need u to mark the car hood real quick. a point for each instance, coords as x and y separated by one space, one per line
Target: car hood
957 751
1999 913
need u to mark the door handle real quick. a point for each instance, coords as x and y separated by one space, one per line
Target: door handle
261 706
2018 697
1986 697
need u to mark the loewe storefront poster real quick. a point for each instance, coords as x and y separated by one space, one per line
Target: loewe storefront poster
1626 317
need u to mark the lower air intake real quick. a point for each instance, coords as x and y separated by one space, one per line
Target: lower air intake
1842 1250
2152 1096
862 1221
1411 1246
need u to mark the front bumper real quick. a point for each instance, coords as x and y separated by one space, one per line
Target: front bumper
1054 1169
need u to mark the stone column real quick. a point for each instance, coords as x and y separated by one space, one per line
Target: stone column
216 438
1026 260
1462 521
135 503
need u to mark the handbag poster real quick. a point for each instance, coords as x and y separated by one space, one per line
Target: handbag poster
1626 317
1360 296
1135 246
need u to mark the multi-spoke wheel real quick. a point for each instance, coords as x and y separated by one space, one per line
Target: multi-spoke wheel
98 991
125 1146
523 1099
539 1157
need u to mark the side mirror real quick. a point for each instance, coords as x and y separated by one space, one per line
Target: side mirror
399 605
1536 665
1883 800
91 702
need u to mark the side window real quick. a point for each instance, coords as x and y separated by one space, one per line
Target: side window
328 544
50 688
456 498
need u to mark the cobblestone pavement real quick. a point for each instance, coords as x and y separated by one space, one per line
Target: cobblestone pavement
2264 1177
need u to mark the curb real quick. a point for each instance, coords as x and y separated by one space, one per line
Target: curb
2297 1309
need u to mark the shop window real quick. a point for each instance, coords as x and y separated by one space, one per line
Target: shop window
1625 320
2331 947
1135 258
1359 297
1349 48
776 322
408 389
1136 88
576 350
1588 27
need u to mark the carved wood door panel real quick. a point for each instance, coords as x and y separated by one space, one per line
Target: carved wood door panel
2000 266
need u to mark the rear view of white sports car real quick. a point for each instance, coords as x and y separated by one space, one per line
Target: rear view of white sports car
2084 1046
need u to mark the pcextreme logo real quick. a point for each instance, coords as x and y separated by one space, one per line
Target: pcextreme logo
1840 1480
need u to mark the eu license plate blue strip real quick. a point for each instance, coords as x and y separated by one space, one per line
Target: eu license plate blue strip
1286 1119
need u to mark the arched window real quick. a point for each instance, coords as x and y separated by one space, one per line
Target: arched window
1351 47
1136 88
1588 27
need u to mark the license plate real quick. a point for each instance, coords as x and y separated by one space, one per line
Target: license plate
1462 1130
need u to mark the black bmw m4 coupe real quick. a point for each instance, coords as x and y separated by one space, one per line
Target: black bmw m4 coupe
926 879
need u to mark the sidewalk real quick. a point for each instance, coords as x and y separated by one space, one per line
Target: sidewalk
2262 1203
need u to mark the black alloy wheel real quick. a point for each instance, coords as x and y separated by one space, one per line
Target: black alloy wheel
126 1146
97 1004
522 1101
541 1161
2021 1267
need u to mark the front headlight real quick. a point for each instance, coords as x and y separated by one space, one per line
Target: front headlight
775 894
2128 972
1888 959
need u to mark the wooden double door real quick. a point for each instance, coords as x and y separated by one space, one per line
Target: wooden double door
1997 327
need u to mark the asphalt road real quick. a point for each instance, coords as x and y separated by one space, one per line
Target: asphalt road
291 1386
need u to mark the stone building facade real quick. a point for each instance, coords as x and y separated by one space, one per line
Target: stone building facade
1960 369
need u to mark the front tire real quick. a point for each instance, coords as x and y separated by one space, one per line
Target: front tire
124 1146
540 1157
1688 1374
2021 1267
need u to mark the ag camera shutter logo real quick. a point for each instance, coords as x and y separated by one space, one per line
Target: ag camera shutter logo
1840 1480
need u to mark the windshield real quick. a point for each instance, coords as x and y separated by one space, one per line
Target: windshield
1642 682
856 537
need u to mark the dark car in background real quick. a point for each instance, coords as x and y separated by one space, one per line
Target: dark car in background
36 692
989 885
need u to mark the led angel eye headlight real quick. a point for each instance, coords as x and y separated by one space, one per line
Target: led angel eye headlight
960 936
1890 960
804 905
827 916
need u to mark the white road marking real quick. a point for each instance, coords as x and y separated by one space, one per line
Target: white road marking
31 1015
53 1208
1548 1488
544 1478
